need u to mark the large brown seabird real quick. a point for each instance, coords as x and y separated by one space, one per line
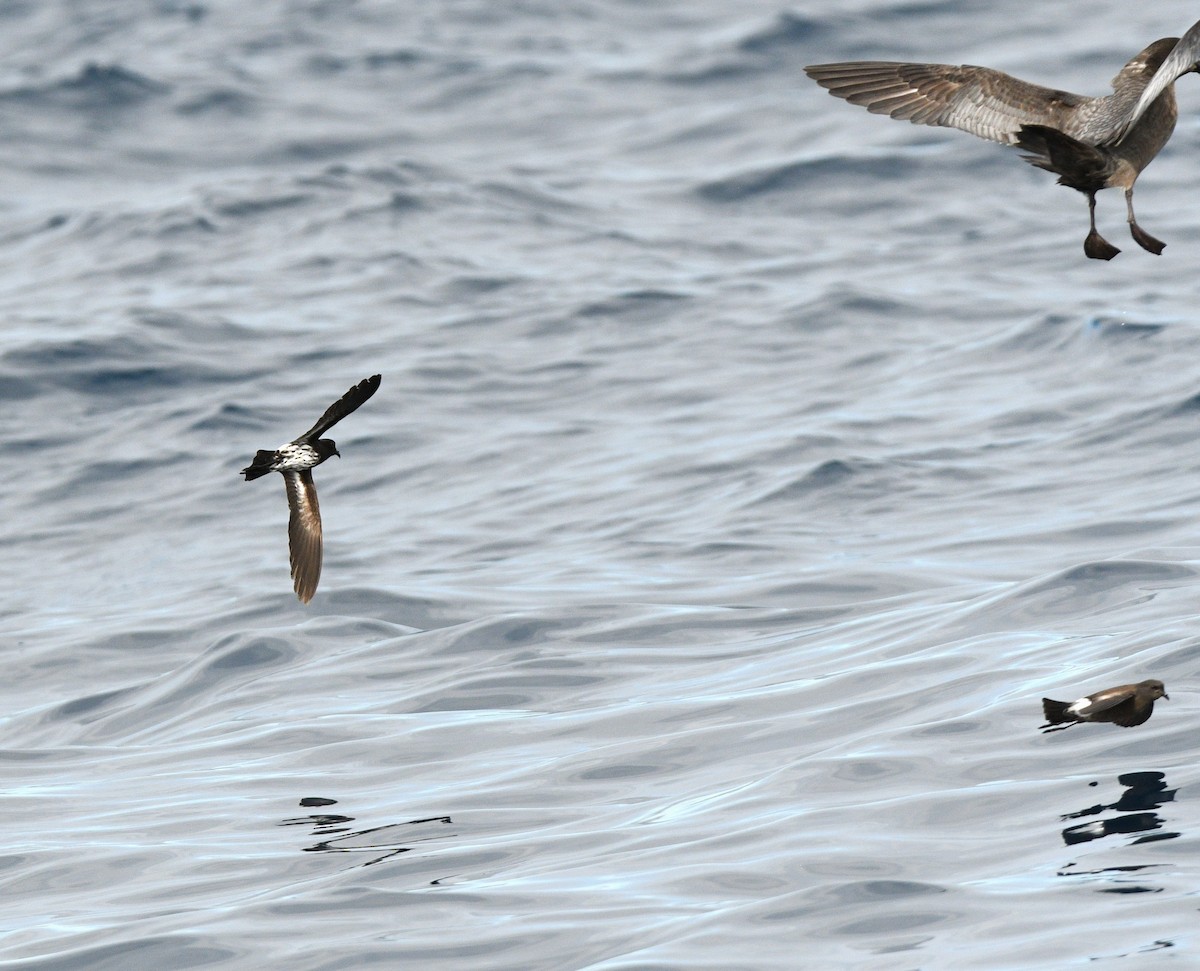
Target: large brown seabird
1090 143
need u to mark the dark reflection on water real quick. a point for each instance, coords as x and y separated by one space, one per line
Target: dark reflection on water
1144 792
392 839
1159 945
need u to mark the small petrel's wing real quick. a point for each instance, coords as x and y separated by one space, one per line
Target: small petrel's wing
979 100
304 532
1106 699
347 403
1129 714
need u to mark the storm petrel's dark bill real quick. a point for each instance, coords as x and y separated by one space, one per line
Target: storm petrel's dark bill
1089 143
1125 705
295 461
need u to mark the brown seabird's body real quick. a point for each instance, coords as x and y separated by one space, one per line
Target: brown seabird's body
1090 143
1125 705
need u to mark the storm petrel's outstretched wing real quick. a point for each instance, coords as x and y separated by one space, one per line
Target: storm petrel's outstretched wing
304 532
347 403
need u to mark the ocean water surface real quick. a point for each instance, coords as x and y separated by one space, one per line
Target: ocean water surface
745 469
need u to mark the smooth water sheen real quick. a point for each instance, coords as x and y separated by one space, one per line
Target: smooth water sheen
746 467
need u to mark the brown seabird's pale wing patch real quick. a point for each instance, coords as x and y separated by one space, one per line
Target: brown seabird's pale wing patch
304 532
979 100
350 401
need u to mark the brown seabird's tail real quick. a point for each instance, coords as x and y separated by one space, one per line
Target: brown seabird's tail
1078 166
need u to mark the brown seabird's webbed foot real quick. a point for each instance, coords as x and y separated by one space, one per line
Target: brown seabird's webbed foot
1099 248
1145 240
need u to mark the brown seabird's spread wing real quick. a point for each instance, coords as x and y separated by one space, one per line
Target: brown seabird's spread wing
1182 59
979 100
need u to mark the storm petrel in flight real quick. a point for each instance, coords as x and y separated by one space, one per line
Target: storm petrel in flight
295 461
1089 143
1125 705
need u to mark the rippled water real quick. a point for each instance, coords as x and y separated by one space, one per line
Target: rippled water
745 470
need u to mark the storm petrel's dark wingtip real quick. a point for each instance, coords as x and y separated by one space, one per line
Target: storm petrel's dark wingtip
295 462
347 403
1126 705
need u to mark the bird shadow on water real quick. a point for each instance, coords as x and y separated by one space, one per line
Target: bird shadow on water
1135 816
379 843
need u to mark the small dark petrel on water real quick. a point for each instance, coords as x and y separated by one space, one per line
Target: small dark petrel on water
1089 143
295 461
1125 705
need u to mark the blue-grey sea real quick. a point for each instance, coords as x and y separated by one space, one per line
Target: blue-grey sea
746 468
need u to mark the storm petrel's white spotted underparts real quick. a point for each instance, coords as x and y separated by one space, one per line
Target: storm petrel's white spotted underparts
295 461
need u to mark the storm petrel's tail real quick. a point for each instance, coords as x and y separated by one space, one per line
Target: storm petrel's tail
263 460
